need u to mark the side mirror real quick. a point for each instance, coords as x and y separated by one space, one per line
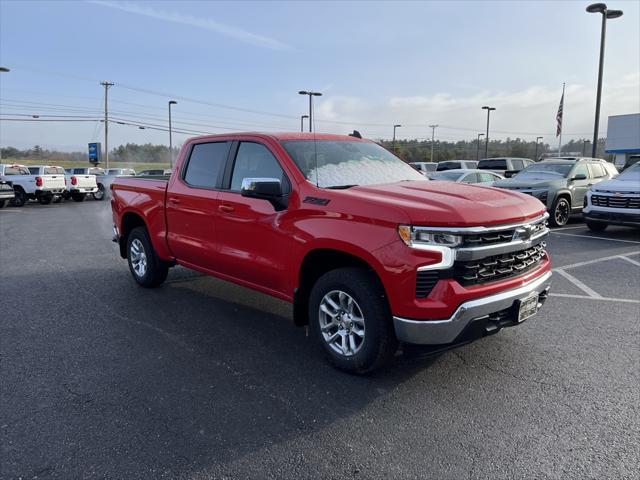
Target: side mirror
510 173
265 189
580 176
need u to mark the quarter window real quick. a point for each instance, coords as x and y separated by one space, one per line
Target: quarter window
517 164
597 170
254 160
206 163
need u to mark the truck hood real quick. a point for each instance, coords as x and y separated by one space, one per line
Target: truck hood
437 203
616 185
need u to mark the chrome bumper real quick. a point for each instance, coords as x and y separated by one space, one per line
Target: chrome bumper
438 332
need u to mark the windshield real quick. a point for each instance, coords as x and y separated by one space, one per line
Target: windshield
345 163
546 169
451 176
631 174
53 171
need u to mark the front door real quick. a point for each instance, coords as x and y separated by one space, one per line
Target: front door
250 241
579 187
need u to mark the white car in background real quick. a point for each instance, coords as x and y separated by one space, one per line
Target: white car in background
27 186
481 177
424 167
614 202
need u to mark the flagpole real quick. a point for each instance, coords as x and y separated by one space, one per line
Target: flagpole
560 140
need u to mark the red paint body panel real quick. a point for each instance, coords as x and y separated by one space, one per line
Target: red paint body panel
247 241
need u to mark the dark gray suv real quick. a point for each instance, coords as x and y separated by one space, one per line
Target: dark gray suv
560 184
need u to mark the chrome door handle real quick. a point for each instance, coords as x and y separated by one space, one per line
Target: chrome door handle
226 208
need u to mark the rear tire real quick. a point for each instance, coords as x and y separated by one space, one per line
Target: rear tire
560 212
45 199
20 198
351 320
596 226
99 195
147 269
78 197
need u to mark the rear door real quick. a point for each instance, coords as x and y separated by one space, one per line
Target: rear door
192 204
252 246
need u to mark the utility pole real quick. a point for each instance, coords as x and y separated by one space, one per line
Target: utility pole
394 137
106 86
486 138
433 135
171 102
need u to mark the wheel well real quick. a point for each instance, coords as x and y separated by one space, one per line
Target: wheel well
564 195
315 264
129 222
18 187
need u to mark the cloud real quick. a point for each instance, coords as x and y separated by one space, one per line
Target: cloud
206 23
525 113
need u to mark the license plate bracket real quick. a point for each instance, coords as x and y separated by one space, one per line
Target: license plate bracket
527 307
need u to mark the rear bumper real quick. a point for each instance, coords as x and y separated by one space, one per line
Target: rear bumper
446 331
75 189
45 191
6 194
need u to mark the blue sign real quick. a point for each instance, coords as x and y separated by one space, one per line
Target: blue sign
95 150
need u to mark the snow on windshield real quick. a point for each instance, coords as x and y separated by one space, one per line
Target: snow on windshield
342 163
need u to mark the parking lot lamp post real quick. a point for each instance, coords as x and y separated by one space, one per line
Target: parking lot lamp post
311 95
4 70
433 137
606 14
171 102
486 138
302 117
394 137
478 146
536 155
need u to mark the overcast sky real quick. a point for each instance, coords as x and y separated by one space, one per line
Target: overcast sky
238 66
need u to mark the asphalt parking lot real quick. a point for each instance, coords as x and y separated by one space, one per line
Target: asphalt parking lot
203 379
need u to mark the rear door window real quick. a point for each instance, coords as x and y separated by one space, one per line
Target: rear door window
206 164
517 164
470 178
597 170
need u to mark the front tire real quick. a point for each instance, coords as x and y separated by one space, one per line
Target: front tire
351 320
145 266
560 212
596 226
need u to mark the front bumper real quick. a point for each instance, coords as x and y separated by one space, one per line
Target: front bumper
7 194
446 331
612 217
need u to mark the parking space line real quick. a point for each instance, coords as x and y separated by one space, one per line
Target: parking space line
583 297
629 260
578 283
596 238
602 259
571 228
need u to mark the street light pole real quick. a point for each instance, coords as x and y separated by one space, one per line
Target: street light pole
433 136
536 156
478 147
606 14
171 102
311 94
302 117
394 137
584 147
3 70
486 138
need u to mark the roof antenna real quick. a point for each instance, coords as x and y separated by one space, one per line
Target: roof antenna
355 134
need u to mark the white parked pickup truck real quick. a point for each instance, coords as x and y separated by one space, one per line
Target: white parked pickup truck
27 186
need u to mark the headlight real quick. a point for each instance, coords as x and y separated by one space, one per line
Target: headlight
423 236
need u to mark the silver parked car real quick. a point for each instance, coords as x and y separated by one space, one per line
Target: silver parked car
467 176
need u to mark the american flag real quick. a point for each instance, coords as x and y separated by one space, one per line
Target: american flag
559 115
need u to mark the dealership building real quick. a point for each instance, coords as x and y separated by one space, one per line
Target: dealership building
623 137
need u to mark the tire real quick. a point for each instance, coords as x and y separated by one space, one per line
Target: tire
2 202
596 226
99 195
78 197
20 198
45 199
145 266
356 293
560 212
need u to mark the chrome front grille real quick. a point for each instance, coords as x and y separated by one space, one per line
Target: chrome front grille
497 267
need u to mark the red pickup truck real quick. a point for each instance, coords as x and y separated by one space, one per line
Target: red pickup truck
370 253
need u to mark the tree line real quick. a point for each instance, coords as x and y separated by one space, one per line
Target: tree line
407 150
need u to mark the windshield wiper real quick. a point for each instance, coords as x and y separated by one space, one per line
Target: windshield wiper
341 187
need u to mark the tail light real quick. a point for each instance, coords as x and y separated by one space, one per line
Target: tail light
74 180
65 181
38 181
